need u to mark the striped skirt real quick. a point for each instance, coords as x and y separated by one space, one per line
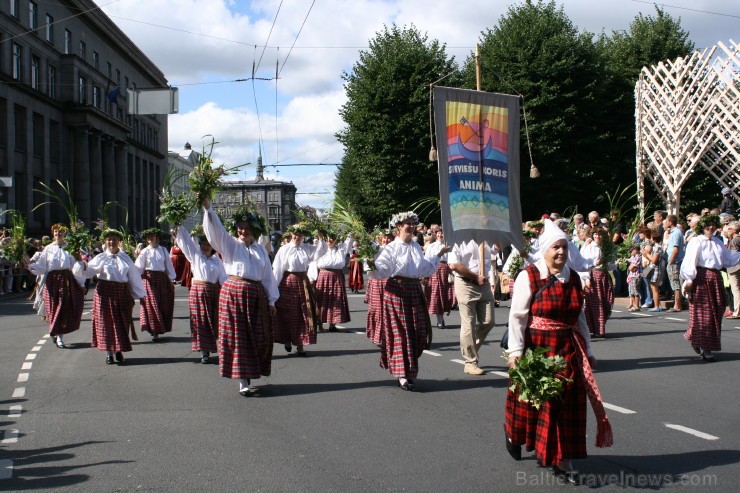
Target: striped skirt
297 319
355 275
558 430
374 300
406 327
705 310
203 303
111 316
64 300
599 301
244 330
440 294
157 310
331 296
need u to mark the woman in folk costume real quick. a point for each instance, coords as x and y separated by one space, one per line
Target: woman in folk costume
374 292
208 277
247 299
516 262
600 298
298 317
331 293
178 259
157 274
119 283
705 256
63 293
440 294
405 321
546 311
356 283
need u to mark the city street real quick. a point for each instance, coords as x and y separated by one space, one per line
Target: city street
336 421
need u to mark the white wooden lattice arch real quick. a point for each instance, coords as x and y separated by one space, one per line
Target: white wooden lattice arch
687 114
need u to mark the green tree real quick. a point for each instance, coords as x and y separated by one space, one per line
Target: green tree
386 165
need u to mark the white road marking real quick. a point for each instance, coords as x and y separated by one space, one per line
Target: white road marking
675 319
641 314
26 366
458 361
6 469
663 361
23 377
691 431
340 327
42 342
618 409
87 312
500 373
31 356
15 411
36 349
431 353
47 336
11 436
617 311
19 392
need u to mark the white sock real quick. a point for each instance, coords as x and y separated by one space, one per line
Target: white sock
204 354
59 340
110 353
243 384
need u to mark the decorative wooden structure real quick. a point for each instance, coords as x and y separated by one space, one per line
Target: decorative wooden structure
687 114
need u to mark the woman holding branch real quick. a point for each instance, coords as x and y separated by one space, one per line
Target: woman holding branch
158 276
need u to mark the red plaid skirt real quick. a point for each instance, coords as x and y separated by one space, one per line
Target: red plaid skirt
243 327
187 275
157 310
705 310
203 303
297 317
111 316
599 301
64 300
374 300
558 430
355 275
440 294
178 262
331 297
406 327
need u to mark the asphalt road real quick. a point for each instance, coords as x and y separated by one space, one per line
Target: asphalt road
336 421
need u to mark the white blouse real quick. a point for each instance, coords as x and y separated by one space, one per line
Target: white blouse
241 260
434 249
117 268
332 258
156 259
291 258
54 257
468 255
208 269
709 253
405 259
591 253
519 312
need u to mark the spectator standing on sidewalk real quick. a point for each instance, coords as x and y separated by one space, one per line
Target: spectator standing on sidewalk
734 272
674 257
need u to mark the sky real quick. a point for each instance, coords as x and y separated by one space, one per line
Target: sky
204 47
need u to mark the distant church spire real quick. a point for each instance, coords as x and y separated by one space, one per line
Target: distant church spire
260 168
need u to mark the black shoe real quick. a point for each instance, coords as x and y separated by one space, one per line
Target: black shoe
332 328
288 347
204 360
302 354
515 451
119 357
570 477
109 360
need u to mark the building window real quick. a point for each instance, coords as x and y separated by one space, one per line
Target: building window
54 141
118 78
17 61
108 69
14 8
125 82
19 128
67 42
33 16
38 135
96 59
274 211
51 81
49 28
83 50
96 96
35 72
82 96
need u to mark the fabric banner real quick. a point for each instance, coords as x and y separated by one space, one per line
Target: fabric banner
478 153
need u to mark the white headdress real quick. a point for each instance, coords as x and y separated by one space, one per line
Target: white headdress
550 235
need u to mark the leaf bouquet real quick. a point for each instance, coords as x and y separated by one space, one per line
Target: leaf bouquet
14 251
205 180
78 238
174 209
347 219
516 263
308 217
537 378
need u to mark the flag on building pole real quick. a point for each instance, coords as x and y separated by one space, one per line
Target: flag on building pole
478 154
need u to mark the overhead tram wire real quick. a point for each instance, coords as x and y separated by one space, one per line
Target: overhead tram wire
296 37
268 35
687 8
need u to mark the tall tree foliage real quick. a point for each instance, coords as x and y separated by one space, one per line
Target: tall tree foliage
386 167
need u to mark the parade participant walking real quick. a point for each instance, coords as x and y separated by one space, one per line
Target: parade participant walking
405 320
119 283
440 293
178 259
600 298
63 293
157 274
546 311
355 281
331 293
475 300
374 293
704 257
208 277
298 318
247 298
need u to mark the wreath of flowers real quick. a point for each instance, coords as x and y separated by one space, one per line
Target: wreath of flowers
299 229
152 232
111 232
403 217
245 213
708 220
60 227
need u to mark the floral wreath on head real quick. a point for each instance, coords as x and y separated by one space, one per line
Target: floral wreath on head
197 232
402 217
60 227
111 232
299 229
528 233
246 213
152 232
708 220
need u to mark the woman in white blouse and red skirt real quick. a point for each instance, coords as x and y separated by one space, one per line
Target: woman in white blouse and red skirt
157 274
208 277
440 293
374 293
705 256
331 292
